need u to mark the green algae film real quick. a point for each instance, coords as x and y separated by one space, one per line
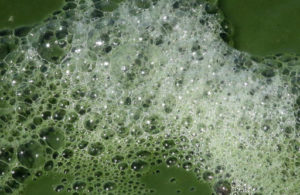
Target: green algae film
16 13
264 27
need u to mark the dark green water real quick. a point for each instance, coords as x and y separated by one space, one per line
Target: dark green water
172 181
45 185
264 27
15 13
162 180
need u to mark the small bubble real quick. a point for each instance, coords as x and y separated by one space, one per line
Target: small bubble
122 166
208 176
95 149
6 153
79 185
3 168
168 144
109 186
117 159
98 173
20 174
48 165
59 188
67 153
83 144
139 165
222 187
187 165
173 180
53 137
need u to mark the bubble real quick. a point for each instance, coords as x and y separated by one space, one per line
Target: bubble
117 159
61 33
144 4
3 168
268 73
79 186
49 48
143 154
31 154
7 45
78 93
6 153
107 134
8 190
169 103
294 145
219 169
172 180
48 165
127 101
67 153
59 188
5 32
122 166
207 176
22 31
91 122
171 161
59 114
83 144
153 124
64 103
122 131
109 186
20 174
71 117
98 174
222 187
53 137
106 6
136 131
37 120
95 148
24 111
13 184
46 115
69 6
139 165
81 109
187 165
168 144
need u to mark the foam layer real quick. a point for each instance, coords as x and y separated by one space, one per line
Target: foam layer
105 91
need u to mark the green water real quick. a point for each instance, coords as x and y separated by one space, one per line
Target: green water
264 27
172 181
161 180
46 185
15 13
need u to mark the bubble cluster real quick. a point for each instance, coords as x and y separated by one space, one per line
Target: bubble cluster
104 90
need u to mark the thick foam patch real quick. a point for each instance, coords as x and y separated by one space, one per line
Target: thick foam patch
140 86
